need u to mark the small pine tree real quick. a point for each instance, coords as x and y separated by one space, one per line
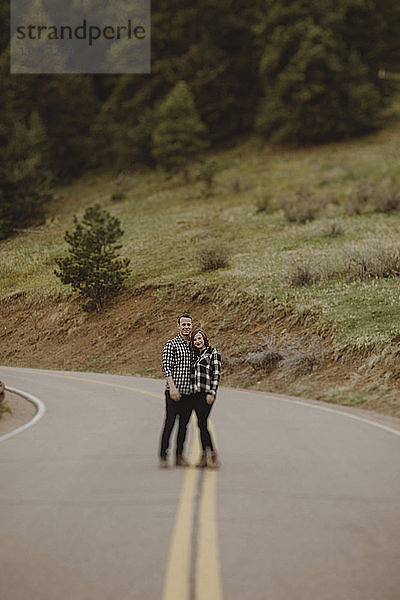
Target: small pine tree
179 133
93 268
207 171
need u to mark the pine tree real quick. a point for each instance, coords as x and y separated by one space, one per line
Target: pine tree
121 132
93 267
68 106
317 85
5 21
24 178
211 46
373 27
179 133
24 175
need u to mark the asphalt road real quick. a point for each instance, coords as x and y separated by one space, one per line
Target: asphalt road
306 505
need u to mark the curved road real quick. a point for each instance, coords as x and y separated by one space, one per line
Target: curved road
306 505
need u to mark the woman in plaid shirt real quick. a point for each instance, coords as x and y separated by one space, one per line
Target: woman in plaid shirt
206 376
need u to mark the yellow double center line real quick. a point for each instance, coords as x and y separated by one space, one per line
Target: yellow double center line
193 571
193 568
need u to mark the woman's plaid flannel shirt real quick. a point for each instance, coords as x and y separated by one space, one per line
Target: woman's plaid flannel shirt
207 371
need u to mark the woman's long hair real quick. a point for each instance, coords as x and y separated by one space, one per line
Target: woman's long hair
205 338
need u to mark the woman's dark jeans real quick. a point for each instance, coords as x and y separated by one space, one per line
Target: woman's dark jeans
202 410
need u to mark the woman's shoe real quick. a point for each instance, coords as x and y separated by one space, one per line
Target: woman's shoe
213 461
181 461
202 462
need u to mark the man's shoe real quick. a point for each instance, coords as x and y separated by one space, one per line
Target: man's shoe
213 461
163 464
181 462
202 462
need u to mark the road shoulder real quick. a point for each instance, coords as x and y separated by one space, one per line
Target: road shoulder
22 411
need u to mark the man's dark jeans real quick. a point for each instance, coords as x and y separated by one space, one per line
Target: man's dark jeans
182 410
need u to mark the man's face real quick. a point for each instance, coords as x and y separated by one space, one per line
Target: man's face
185 326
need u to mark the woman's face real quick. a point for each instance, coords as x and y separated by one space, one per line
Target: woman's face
198 341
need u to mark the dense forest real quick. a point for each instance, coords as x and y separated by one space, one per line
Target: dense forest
293 71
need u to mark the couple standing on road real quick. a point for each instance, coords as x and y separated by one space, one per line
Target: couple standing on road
192 370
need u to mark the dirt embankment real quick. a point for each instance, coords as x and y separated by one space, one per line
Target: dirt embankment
263 346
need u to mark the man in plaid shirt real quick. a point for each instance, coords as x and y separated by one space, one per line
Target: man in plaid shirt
177 368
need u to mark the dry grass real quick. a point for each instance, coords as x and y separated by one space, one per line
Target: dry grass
3 406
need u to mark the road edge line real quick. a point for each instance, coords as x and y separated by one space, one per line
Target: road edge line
343 413
40 408
311 404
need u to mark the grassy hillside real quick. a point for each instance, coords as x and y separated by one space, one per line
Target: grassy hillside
337 273
167 224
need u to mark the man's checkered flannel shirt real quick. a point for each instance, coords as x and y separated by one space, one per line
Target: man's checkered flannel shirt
207 371
177 362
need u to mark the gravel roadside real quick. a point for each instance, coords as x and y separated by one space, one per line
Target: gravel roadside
22 411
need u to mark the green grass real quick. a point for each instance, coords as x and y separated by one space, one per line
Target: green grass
166 223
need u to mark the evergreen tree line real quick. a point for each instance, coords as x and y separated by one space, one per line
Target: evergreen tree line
297 71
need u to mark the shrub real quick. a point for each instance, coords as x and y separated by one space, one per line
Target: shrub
215 255
93 268
386 197
293 357
374 263
119 186
301 209
301 357
333 228
263 203
239 186
301 274
207 171
358 200
383 197
267 357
